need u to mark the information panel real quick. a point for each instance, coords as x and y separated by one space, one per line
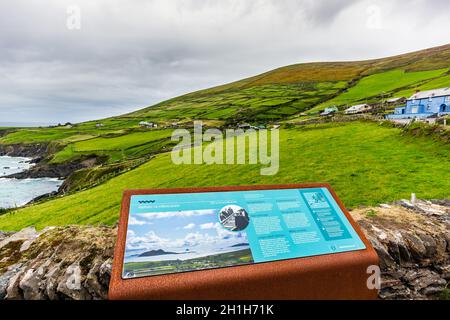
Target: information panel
171 233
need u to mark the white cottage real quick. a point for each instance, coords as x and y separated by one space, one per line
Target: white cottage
359 108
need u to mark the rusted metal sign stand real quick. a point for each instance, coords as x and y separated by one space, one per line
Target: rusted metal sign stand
340 275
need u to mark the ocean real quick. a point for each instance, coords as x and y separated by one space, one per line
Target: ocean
26 124
18 192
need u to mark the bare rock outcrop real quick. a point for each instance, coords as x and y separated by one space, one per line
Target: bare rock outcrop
74 262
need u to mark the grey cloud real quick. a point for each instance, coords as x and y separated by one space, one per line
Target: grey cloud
131 54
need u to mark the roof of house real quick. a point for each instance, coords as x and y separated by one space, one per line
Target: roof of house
357 107
431 93
395 99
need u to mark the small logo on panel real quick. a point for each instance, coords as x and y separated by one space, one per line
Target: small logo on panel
146 201
234 218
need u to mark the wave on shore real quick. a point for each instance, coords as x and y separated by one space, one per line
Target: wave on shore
18 192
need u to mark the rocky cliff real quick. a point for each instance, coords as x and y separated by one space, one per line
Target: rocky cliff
74 262
41 153
34 151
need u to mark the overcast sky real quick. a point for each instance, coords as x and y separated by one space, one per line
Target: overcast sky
131 54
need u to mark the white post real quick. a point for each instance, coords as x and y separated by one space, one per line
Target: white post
413 199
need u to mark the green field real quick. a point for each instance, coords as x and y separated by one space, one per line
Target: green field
440 82
59 134
268 102
116 147
374 86
366 164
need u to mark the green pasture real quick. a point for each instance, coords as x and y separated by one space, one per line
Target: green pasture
116 147
366 164
375 87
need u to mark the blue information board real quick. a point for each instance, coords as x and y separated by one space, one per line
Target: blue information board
170 233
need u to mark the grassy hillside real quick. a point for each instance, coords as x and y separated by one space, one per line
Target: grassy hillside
366 164
310 85
371 88
277 95
269 102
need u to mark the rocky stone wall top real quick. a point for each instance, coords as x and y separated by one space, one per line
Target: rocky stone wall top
71 262
413 244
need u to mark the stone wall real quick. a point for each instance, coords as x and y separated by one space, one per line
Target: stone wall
57 263
74 262
413 243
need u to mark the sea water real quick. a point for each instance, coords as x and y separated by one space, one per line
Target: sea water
11 165
18 192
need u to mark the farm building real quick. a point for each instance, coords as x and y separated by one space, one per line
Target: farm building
260 127
424 105
276 126
358 109
329 111
148 124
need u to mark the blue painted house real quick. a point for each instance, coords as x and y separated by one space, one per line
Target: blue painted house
424 105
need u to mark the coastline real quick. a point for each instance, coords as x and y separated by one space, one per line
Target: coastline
37 153
34 151
18 188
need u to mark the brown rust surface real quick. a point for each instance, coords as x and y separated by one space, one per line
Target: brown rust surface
333 276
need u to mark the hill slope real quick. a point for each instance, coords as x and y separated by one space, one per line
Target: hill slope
286 91
272 96
276 95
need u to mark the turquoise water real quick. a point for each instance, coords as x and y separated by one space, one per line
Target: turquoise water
18 192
